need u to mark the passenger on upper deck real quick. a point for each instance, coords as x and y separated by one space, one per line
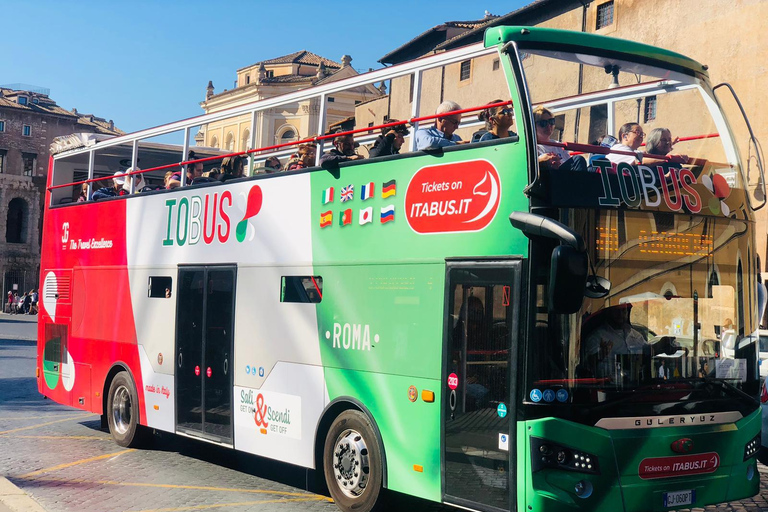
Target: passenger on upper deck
498 121
660 142
193 171
232 167
442 134
272 165
138 179
390 141
83 196
115 190
343 152
553 157
306 158
630 138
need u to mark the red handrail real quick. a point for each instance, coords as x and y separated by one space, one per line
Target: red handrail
294 143
577 148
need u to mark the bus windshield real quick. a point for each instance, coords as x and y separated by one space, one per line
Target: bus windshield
649 123
679 315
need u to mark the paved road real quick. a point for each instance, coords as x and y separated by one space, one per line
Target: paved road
62 459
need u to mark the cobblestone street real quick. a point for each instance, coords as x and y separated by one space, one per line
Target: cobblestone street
61 458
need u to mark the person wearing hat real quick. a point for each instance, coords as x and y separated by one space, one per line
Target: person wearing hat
390 141
138 179
117 189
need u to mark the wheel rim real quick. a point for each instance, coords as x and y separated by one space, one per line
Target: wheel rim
350 463
121 410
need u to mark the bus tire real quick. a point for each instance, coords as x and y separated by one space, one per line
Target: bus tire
352 463
123 412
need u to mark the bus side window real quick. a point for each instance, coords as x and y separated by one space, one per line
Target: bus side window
301 289
160 287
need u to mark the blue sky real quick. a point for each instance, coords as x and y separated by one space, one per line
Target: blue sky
146 63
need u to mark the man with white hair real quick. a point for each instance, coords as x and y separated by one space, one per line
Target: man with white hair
442 134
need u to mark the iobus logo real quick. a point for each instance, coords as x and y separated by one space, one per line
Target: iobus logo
462 196
207 217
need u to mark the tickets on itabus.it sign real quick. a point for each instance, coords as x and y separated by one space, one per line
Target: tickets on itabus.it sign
449 198
683 465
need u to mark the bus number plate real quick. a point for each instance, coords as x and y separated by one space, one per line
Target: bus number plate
677 498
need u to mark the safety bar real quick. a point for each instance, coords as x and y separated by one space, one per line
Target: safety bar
308 140
577 148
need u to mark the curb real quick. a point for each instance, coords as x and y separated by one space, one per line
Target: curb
13 499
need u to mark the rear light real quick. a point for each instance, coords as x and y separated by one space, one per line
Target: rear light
545 454
751 448
763 393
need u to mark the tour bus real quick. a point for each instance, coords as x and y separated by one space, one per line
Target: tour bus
467 324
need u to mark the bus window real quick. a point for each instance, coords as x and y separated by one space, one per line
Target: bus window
160 287
66 170
301 289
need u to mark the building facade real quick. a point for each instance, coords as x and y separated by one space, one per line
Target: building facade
29 121
274 77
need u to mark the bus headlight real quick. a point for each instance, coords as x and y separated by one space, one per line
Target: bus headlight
545 454
751 448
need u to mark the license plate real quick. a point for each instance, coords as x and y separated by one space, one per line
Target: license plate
678 498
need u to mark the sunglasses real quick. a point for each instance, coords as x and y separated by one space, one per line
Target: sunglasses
639 134
506 111
546 122
452 121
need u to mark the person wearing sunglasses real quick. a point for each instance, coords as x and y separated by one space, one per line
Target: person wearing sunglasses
631 137
498 121
553 157
442 134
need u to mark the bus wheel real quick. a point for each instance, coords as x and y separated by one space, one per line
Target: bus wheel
123 412
352 463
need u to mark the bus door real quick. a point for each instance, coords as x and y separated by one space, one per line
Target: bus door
204 351
478 406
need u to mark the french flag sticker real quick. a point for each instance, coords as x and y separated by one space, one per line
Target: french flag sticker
366 192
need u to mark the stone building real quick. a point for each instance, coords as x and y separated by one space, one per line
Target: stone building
29 121
274 77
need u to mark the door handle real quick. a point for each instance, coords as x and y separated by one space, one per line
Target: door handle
226 366
180 359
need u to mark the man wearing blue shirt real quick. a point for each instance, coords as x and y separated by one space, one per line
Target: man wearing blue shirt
442 134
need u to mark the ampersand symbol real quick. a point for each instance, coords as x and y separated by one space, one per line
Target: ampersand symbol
261 411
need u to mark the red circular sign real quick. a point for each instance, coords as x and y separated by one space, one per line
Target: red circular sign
197 371
208 372
451 198
453 381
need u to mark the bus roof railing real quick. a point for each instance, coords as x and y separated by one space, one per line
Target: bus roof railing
420 64
308 140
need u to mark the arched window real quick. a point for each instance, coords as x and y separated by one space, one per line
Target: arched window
215 142
16 223
229 143
245 142
288 135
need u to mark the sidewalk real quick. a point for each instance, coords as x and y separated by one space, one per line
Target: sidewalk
13 499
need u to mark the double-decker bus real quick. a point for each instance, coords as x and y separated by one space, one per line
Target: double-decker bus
472 324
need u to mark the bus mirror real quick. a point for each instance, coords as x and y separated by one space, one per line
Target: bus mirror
597 287
567 279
